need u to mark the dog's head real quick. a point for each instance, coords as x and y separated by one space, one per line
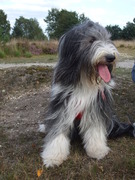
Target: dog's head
86 49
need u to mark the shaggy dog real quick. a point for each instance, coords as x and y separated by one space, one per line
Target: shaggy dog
81 87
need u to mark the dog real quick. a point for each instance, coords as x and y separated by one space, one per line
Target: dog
81 87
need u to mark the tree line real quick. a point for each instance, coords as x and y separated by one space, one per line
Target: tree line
58 22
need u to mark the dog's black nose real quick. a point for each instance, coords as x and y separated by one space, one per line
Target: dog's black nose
110 57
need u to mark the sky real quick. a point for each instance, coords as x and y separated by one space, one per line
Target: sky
106 12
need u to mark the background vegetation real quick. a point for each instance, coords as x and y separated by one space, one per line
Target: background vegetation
58 22
27 48
4 27
27 39
27 28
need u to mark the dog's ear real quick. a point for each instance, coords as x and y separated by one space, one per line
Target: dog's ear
68 68
70 41
61 44
69 44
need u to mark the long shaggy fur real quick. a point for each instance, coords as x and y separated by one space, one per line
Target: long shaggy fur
77 87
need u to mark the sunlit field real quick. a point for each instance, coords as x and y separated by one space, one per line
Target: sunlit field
23 51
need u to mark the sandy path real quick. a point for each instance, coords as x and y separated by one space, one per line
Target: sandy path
122 64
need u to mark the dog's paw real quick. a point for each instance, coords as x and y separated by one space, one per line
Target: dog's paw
49 160
98 153
56 151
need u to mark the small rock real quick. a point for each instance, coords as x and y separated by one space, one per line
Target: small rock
3 91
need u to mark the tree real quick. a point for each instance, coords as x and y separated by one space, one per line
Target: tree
58 22
27 28
128 32
4 27
115 31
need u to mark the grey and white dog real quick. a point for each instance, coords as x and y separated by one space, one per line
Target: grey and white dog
82 84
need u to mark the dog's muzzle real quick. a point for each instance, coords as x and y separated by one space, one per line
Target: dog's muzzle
109 58
104 69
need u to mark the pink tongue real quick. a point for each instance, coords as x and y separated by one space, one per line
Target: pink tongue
104 73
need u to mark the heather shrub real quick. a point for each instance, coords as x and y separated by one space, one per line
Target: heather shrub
50 47
43 47
23 46
35 50
27 48
48 50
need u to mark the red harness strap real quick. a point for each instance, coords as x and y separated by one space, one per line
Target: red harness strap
79 116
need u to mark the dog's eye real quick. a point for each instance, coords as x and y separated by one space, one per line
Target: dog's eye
92 39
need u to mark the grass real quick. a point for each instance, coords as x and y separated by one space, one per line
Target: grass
25 48
126 49
126 44
24 51
47 58
2 54
20 154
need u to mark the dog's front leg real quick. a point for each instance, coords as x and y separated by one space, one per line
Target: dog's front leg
56 126
94 139
56 150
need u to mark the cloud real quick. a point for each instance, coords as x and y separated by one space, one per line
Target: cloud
25 6
105 12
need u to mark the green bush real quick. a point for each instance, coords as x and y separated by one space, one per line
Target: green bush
28 54
2 54
122 46
12 51
7 50
22 46
17 53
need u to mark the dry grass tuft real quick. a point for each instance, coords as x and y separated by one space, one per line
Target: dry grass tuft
26 48
126 49
126 44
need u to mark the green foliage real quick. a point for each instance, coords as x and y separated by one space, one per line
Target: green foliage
28 55
27 48
4 27
116 32
2 54
17 53
58 22
128 32
11 50
27 28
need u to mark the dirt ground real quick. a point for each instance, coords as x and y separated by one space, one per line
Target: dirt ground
22 114
24 99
